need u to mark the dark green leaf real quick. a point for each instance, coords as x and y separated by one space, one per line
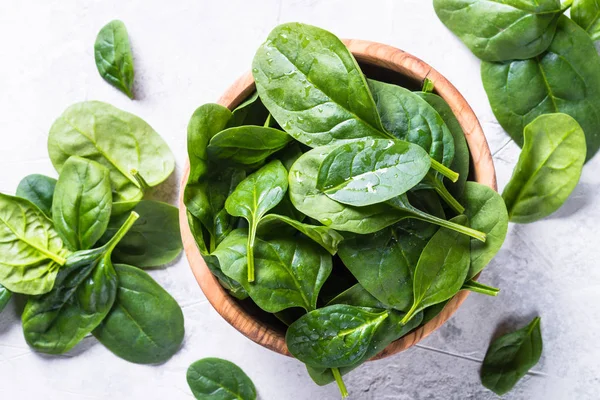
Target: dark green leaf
487 213
371 171
145 325
334 336
246 144
153 240
310 82
250 112
548 169
31 251
217 379
5 296
498 30
113 56
290 271
116 139
565 79
510 357
82 203
38 189
586 13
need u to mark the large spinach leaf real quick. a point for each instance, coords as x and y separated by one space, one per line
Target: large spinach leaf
254 197
487 213
247 145
510 357
441 270
5 296
499 30
565 79
145 324
586 13
153 240
371 171
31 250
310 82
217 379
82 296
38 189
334 336
290 271
548 169
116 139
113 56
82 203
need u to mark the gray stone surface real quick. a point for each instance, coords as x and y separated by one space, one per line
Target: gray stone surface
186 54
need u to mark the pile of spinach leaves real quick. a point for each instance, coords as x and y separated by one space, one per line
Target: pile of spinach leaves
541 72
323 173
75 245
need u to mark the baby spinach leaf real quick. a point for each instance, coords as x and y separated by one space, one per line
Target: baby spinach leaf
5 296
38 189
198 233
510 357
145 324
334 336
487 213
499 30
586 14
383 264
153 240
371 171
254 197
548 169
251 112
113 56
247 144
82 296
290 273
329 239
565 79
312 85
82 203
433 311
116 139
461 160
31 251
217 379
357 295
441 270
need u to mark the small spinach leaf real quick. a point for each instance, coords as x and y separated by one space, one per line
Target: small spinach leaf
586 14
254 197
82 203
113 56
328 238
145 324
310 82
38 189
83 294
5 296
441 270
487 213
371 171
217 379
116 139
31 250
251 112
565 79
548 169
153 240
290 273
334 336
510 357
499 30
247 144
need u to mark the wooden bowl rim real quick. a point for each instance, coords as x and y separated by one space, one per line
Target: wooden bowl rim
482 168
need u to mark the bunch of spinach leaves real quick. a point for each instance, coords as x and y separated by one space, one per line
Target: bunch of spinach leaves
323 173
66 242
537 63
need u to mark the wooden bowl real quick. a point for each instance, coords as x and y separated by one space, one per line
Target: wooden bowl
395 66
